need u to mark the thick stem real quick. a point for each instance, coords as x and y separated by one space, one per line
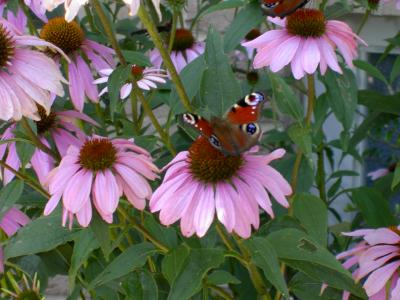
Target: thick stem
36 141
224 237
36 186
321 174
155 36
363 21
173 30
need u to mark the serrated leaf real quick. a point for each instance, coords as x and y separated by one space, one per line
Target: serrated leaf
10 194
248 18
264 256
219 87
40 235
287 102
342 95
133 257
313 216
188 282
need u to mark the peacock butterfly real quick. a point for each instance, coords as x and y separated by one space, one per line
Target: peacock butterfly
237 132
281 8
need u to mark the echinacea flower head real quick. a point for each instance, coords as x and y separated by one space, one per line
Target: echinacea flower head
184 50
71 7
147 79
20 87
98 173
59 127
305 41
35 6
377 260
10 223
70 37
202 181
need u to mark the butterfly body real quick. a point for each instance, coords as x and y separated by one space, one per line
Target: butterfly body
237 132
281 8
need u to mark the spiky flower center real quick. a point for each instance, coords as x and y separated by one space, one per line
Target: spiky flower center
66 35
137 71
395 229
97 154
46 122
183 40
252 34
210 165
6 47
306 23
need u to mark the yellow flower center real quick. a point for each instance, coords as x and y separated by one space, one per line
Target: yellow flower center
306 23
6 47
97 154
67 36
46 122
209 165
183 40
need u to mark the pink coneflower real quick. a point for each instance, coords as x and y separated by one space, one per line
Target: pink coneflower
11 222
251 35
147 79
306 40
60 126
202 181
71 7
376 258
99 173
20 87
35 5
184 50
71 39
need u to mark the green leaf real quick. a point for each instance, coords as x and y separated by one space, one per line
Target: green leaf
380 103
342 95
189 281
264 256
287 102
136 58
219 87
85 243
313 215
40 235
10 194
370 69
133 257
191 76
25 151
396 176
301 252
228 4
173 262
342 173
116 80
102 234
301 136
220 277
248 18
166 235
141 286
395 70
373 206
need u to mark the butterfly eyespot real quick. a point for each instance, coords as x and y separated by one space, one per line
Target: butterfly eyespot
214 141
269 5
190 119
250 128
254 99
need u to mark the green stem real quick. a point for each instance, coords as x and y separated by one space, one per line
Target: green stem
224 237
108 30
143 231
36 141
173 30
135 120
155 36
36 186
363 21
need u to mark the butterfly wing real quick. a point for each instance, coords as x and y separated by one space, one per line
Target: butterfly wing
247 109
281 8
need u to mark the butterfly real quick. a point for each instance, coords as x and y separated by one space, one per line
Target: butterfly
281 8
237 132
